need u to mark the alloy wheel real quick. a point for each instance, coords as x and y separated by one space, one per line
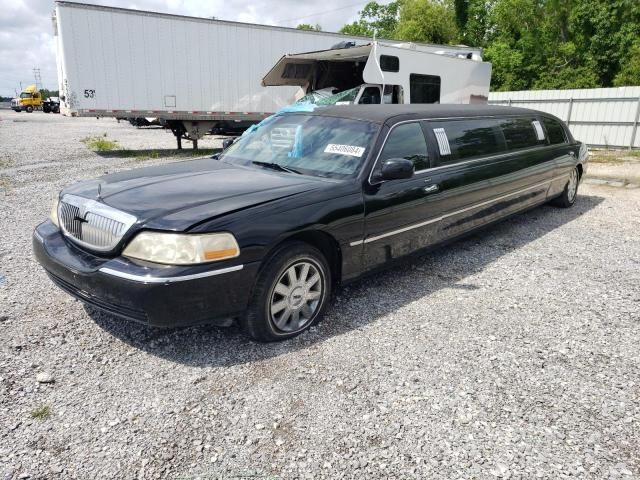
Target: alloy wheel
572 186
296 296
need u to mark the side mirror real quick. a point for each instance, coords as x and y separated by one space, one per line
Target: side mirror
396 169
227 142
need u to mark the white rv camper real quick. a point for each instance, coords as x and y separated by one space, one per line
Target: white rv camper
195 74
378 72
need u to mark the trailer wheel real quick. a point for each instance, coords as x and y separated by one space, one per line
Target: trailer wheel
29 109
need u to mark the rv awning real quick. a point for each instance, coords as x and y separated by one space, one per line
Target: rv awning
296 69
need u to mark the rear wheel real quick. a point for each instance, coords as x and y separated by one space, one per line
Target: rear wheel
290 295
29 109
570 192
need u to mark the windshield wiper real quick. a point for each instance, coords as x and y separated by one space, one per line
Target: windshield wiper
276 166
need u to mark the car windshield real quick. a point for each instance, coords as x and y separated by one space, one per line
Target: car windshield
305 144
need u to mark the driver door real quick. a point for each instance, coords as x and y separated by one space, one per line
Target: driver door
399 218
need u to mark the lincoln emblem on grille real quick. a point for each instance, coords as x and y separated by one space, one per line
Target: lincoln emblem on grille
92 224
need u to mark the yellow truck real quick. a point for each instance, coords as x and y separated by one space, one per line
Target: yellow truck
30 98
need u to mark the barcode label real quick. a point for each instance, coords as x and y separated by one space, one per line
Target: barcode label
350 150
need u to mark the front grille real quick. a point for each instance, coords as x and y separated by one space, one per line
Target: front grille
92 224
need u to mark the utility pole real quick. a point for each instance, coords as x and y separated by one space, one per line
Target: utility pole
36 75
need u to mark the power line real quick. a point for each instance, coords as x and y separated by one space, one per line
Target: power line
319 13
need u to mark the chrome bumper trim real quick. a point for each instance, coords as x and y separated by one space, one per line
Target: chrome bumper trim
183 278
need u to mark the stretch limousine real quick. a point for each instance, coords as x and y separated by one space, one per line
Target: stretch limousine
300 203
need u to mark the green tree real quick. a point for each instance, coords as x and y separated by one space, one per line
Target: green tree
375 20
49 93
308 26
429 21
472 18
629 74
532 44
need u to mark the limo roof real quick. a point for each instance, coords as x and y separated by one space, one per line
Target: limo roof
398 113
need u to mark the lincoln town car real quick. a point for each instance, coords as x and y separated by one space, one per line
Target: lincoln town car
264 231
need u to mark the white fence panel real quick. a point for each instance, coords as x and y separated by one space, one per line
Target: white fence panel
600 117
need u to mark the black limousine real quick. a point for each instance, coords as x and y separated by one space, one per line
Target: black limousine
304 201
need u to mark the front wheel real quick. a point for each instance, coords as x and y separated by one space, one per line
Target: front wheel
290 295
570 192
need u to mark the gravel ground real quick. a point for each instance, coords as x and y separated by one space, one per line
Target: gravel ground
511 354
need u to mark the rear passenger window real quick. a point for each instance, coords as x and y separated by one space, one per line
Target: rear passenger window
468 139
424 88
520 133
407 141
555 132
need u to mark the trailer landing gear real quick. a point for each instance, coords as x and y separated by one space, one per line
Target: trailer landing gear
181 134
190 131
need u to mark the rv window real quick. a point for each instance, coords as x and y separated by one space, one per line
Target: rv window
520 133
406 141
471 138
555 132
389 63
296 70
424 88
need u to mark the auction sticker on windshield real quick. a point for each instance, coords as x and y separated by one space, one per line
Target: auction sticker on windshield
350 150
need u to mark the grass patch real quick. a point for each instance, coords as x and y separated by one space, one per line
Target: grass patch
610 159
143 155
41 413
6 163
614 157
101 143
5 183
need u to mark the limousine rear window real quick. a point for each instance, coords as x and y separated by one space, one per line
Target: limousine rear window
554 131
520 133
468 139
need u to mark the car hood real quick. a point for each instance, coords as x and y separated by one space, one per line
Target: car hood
179 195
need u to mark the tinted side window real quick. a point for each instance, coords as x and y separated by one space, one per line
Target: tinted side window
424 88
555 132
520 133
470 138
407 141
389 63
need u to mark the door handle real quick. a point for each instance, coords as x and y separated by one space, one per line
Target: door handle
431 188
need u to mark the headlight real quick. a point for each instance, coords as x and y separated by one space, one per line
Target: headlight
53 216
182 249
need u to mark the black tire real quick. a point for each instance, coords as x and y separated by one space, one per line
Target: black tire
259 321
570 192
29 109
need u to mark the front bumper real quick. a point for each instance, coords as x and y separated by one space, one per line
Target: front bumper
163 296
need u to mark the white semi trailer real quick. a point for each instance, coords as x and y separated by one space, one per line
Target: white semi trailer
195 74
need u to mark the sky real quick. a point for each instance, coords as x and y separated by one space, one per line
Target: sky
26 33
